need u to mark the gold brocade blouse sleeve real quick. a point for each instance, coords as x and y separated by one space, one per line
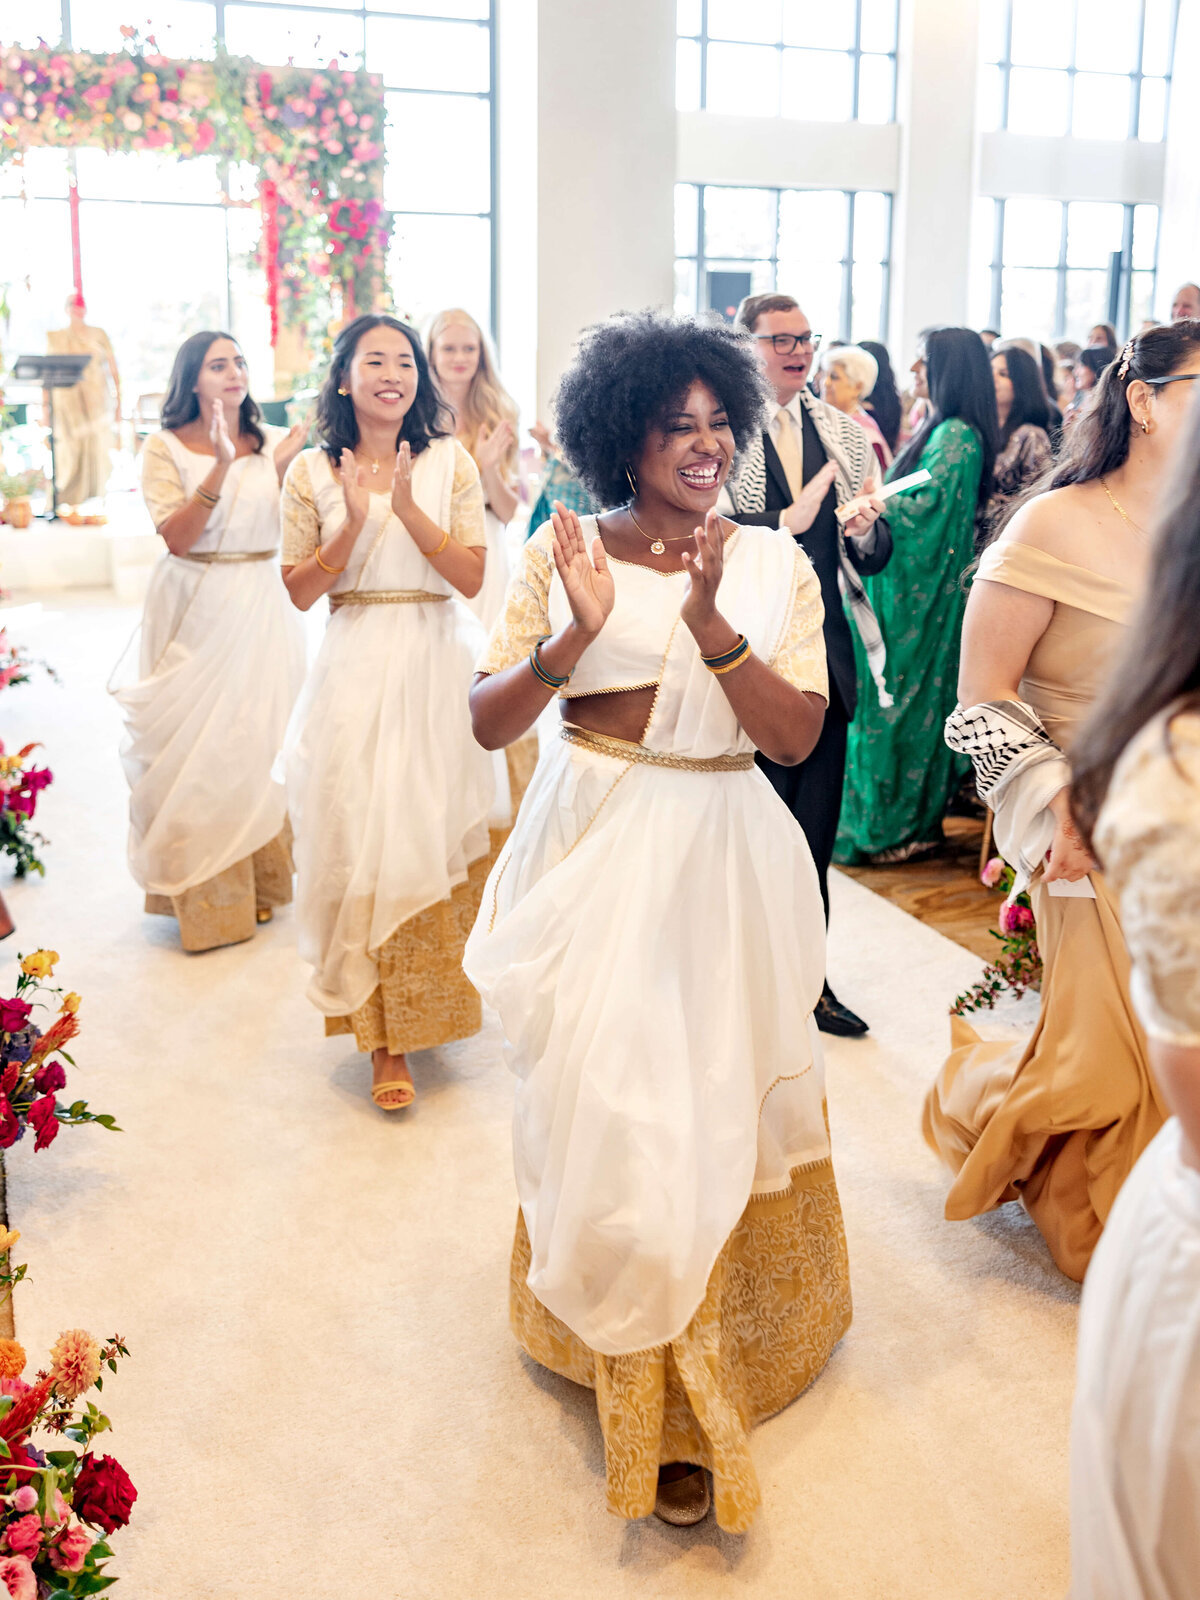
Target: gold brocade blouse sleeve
526 615
162 487
466 500
1149 838
800 656
300 521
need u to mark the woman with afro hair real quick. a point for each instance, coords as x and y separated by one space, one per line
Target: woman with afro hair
652 936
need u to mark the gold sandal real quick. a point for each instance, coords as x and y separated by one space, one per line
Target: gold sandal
387 1088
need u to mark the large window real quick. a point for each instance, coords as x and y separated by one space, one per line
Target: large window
1049 269
167 231
1094 69
822 60
828 248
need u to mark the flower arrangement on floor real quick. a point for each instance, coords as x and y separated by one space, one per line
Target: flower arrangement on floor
58 1506
1019 964
316 138
20 785
16 667
31 1060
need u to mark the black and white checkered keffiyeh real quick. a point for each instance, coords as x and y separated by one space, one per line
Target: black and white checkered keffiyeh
848 447
1018 771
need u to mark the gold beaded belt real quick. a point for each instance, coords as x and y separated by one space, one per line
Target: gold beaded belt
385 597
211 557
625 750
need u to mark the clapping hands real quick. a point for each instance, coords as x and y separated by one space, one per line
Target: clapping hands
218 433
585 577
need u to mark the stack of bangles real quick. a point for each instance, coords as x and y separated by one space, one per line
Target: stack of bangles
205 496
728 659
543 674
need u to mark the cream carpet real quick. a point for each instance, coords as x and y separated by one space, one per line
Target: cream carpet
324 1399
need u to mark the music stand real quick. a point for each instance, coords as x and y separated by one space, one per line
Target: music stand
52 372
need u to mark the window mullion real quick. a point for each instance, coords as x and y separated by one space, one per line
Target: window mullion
1060 299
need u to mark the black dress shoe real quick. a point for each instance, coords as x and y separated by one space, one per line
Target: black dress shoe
833 1017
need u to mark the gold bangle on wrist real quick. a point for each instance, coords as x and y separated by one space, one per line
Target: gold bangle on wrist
324 566
429 554
205 496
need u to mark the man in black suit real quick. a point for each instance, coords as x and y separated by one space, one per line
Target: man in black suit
812 460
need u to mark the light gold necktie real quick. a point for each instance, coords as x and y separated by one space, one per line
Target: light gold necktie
789 452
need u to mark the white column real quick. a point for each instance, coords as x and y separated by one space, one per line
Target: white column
1179 224
605 168
931 235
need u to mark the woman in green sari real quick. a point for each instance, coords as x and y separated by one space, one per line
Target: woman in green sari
899 772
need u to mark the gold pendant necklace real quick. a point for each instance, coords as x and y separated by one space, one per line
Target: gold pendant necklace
1121 511
657 546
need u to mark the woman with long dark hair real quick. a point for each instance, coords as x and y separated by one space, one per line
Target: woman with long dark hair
883 402
1024 416
899 774
390 796
1057 1122
1135 1445
220 658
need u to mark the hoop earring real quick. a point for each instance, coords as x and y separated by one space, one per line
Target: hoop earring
1145 426
632 480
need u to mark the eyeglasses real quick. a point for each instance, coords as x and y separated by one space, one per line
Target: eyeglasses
1176 377
785 343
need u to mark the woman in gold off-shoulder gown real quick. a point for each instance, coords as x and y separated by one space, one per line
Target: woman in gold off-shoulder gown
1059 1121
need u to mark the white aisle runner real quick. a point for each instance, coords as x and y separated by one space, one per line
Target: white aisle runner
323 1398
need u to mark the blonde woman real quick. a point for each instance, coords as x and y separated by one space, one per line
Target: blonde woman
389 794
485 421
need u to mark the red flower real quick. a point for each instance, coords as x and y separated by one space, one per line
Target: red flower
10 1128
41 1114
14 1014
205 134
51 1077
103 1493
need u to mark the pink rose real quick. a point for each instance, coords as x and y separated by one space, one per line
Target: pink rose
17 1579
992 873
69 1550
24 1536
59 1513
25 1498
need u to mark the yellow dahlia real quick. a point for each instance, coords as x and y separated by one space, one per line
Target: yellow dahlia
12 1359
71 1002
74 1363
8 1238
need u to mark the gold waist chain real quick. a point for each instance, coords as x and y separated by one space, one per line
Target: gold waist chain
385 597
210 558
625 750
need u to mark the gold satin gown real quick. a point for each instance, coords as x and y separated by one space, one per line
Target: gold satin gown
1058 1122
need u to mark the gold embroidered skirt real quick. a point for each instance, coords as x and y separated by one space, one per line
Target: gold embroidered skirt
778 1301
224 909
423 998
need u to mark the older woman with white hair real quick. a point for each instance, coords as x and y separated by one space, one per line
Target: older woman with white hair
848 374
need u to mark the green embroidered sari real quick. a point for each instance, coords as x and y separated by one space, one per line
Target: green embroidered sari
899 771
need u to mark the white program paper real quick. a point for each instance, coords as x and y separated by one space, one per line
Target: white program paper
898 486
1065 890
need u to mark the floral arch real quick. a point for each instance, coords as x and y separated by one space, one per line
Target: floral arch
316 138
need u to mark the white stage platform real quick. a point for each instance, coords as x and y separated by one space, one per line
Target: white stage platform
52 555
